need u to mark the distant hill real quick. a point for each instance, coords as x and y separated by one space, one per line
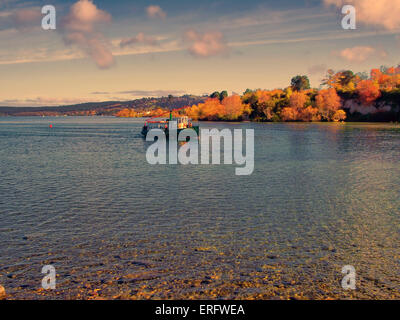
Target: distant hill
108 108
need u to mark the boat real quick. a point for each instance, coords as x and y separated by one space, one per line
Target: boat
182 123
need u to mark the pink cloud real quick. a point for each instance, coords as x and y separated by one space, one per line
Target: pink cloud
81 27
44 101
361 53
206 44
155 12
139 38
23 19
383 13
317 69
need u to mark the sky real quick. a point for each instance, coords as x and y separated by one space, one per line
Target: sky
122 50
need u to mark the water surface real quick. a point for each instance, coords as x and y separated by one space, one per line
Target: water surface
82 197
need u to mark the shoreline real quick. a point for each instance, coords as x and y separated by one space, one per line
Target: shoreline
217 121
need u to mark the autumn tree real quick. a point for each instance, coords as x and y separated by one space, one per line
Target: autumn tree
234 109
368 91
310 114
328 102
341 81
289 114
211 109
339 116
376 74
126 113
298 100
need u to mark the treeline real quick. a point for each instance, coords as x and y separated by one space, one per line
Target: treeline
343 95
133 108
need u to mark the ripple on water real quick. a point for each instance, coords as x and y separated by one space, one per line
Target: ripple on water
82 197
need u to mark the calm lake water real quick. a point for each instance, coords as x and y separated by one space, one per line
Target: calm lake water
82 197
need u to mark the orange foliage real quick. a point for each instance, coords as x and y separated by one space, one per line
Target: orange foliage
298 100
310 114
391 71
234 108
376 74
231 108
127 113
265 95
211 109
289 114
339 115
157 112
328 102
368 91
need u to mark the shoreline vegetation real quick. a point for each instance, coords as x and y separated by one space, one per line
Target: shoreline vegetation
342 96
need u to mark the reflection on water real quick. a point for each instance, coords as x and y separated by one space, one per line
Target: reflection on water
82 197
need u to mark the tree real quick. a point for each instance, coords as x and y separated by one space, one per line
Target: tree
223 95
376 74
346 77
126 113
234 108
342 80
328 102
289 114
310 114
215 95
298 100
300 83
211 109
368 91
339 116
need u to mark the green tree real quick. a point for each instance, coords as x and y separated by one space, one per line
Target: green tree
223 95
300 83
215 95
346 77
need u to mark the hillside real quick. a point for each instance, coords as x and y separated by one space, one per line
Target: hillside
108 108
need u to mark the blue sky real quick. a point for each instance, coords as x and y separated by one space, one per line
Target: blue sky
182 47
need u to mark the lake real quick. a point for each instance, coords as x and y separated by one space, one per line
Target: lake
82 197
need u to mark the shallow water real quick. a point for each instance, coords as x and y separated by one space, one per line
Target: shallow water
82 197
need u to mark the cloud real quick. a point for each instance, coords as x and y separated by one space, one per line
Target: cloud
43 101
81 27
25 19
317 69
360 54
206 44
155 12
144 93
382 13
139 38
